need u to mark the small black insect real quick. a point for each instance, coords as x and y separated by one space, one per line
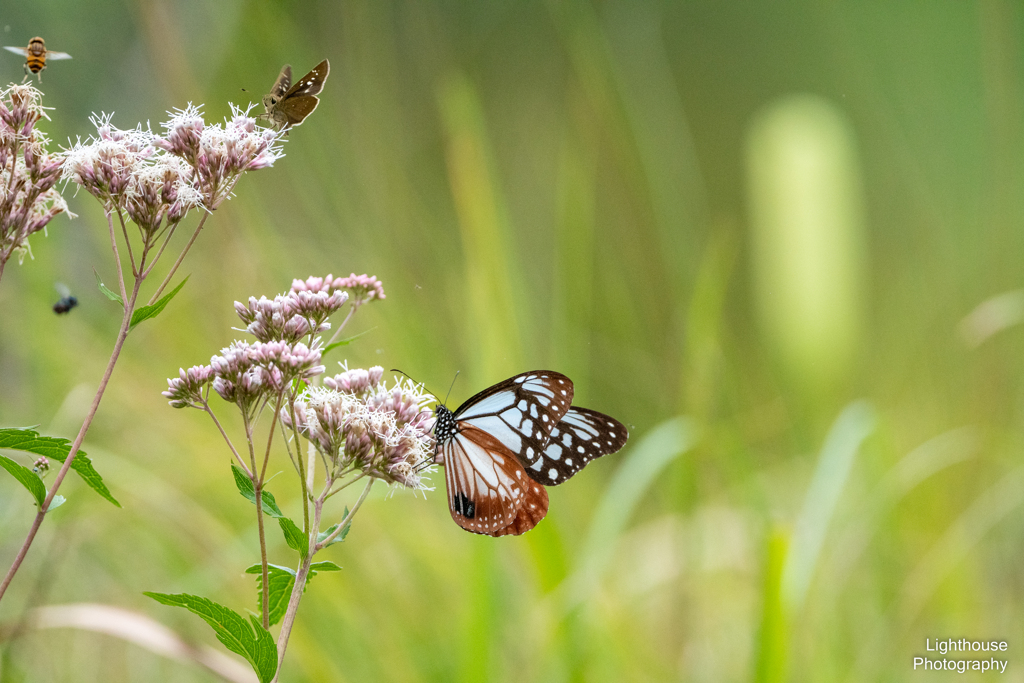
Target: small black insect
66 301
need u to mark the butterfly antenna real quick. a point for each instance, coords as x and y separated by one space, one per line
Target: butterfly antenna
413 380
450 387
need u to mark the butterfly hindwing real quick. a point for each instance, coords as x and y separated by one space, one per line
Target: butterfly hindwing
296 109
484 480
579 437
533 509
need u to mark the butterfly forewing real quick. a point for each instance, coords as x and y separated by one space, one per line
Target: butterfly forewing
283 82
312 83
579 437
521 411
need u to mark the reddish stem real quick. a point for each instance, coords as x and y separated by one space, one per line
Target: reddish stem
37 522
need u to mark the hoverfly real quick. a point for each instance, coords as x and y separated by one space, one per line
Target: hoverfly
288 105
36 55
66 301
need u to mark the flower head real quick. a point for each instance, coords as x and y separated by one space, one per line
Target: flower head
220 153
127 171
360 288
186 390
357 421
290 316
363 288
28 173
244 373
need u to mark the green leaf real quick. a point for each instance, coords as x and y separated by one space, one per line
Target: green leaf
147 312
56 503
246 638
56 448
107 292
345 342
340 537
282 581
294 536
325 566
248 492
29 479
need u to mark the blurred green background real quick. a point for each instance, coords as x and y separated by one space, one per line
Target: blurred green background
753 232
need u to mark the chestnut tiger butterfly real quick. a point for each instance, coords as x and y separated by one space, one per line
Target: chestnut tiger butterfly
505 444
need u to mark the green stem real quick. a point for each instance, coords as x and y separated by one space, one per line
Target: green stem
257 485
303 574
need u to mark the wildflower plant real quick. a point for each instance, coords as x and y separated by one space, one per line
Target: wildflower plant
148 185
29 198
352 427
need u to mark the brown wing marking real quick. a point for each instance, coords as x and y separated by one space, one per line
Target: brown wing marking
533 509
296 109
486 484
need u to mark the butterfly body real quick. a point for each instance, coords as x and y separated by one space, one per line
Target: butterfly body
36 55
498 452
288 105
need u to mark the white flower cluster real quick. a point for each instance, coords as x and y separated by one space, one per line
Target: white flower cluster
157 179
382 431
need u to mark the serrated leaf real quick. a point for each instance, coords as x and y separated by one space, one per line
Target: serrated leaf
282 581
340 537
246 638
294 536
56 448
248 491
29 479
146 312
107 292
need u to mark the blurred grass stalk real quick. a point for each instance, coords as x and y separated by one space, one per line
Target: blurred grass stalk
808 239
492 324
792 558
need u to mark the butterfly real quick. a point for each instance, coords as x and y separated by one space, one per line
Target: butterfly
505 444
288 105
